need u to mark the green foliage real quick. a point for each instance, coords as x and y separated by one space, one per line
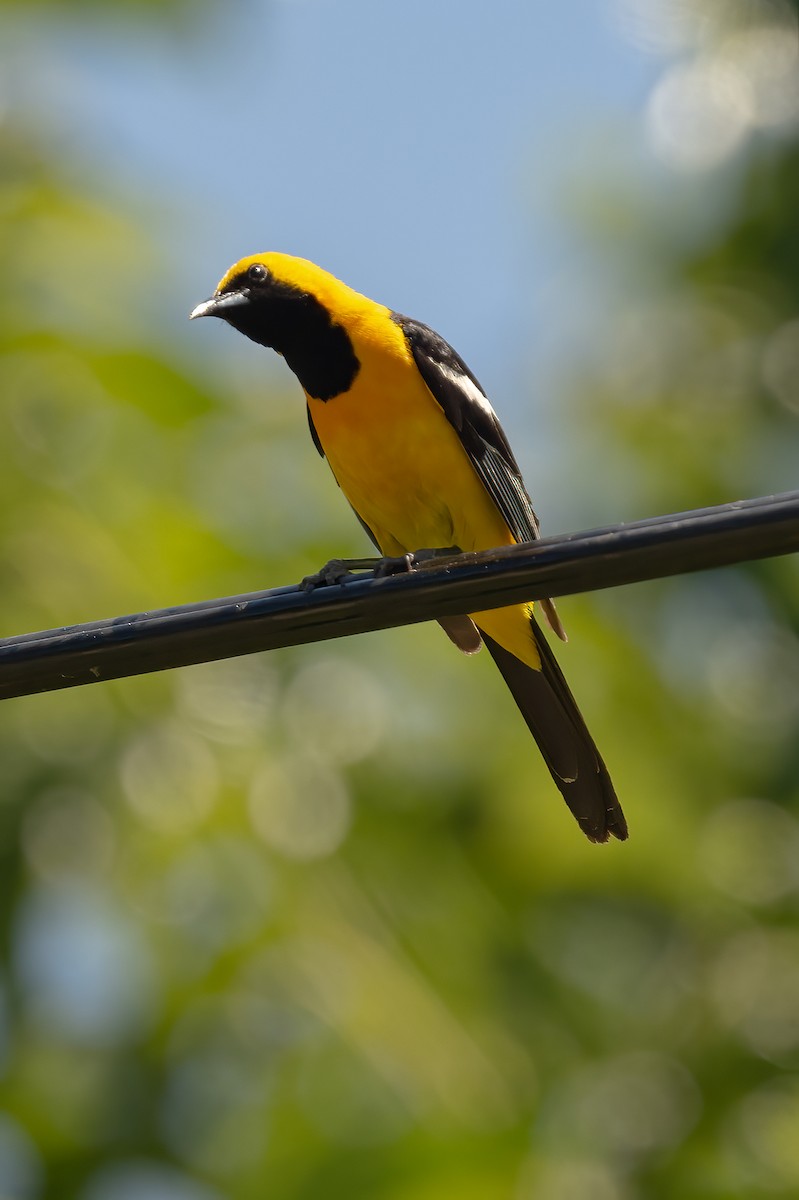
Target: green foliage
316 923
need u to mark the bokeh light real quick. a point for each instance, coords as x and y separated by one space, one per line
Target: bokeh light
84 968
170 780
705 106
750 850
754 983
764 1127
142 1180
21 1167
300 807
781 364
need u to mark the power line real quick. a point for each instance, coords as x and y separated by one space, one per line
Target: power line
289 616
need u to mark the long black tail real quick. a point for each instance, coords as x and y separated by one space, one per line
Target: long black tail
555 722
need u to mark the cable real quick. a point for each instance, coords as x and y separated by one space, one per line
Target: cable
288 616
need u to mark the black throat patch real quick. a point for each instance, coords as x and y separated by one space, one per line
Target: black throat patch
299 327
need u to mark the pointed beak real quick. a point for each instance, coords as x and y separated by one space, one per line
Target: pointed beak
220 306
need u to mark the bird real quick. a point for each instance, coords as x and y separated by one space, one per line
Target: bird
418 451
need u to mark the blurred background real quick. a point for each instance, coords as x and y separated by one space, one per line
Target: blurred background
317 923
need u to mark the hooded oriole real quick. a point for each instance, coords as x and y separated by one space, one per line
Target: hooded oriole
417 449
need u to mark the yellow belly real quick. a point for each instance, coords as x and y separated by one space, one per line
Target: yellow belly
403 469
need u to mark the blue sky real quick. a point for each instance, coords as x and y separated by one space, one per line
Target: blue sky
418 151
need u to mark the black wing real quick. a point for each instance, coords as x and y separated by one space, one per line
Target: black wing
314 434
543 696
468 410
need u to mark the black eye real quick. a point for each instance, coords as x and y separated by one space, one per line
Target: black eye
257 273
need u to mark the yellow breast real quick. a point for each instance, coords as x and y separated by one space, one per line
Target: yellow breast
398 460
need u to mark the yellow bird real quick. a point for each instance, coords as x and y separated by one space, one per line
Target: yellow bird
417 449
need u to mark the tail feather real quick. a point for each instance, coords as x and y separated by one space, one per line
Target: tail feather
553 718
463 632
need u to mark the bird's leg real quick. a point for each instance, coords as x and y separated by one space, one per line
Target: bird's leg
338 570
401 565
412 562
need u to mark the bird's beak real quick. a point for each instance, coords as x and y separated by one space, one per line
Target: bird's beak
220 305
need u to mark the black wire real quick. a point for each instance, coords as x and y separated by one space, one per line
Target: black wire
288 616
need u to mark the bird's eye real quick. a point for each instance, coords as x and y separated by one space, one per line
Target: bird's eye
257 273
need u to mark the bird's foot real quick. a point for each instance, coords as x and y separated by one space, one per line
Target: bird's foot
401 565
431 558
406 563
338 571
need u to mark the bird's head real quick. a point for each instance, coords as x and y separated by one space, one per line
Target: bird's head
255 297
296 308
